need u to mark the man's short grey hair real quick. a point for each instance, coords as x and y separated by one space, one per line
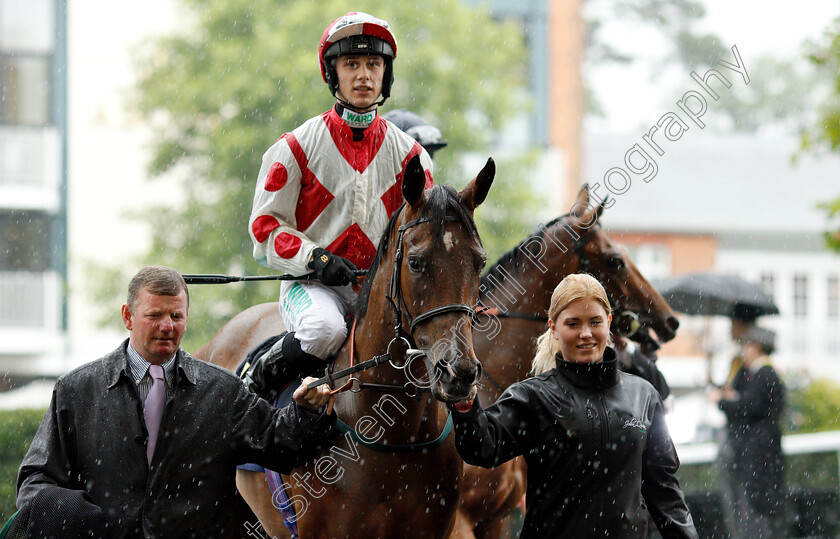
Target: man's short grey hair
158 280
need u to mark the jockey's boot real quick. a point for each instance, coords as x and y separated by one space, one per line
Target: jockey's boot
283 362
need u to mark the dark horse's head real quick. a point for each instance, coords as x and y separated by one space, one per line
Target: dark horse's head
630 293
429 266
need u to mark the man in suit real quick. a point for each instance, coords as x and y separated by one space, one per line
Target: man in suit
153 436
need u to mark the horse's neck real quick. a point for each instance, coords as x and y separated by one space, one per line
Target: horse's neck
525 285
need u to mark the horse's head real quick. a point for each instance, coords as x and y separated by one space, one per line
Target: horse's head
628 290
435 277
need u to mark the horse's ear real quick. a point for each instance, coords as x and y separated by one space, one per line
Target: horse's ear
582 201
476 191
600 209
583 214
414 182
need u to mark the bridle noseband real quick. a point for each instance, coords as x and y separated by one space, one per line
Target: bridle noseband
395 295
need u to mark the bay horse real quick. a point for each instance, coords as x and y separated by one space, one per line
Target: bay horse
518 288
394 471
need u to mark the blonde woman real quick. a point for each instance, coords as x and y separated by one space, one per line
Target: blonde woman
599 454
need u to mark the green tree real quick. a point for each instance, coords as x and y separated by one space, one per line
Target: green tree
815 407
245 71
17 428
824 133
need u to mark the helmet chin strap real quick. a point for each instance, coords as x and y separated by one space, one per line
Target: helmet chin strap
346 104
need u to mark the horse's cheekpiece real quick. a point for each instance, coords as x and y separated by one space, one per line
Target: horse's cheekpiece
399 347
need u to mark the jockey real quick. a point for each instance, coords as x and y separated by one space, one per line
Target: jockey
324 196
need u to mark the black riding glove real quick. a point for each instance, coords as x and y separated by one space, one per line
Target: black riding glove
332 270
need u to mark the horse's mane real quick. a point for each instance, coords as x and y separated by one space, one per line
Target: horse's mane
507 262
440 199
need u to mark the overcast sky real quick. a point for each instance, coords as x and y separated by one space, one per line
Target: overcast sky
632 97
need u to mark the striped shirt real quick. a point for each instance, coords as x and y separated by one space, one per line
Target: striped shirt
139 369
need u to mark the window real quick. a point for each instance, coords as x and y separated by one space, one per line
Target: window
24 241
29 156
800 296
833 297
27 25
24 90
768 284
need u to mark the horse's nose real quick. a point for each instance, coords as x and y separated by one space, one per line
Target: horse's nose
672 324
459 372
477 370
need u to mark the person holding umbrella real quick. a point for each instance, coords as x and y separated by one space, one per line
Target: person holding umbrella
753 406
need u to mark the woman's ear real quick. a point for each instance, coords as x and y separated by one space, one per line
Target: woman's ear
552 328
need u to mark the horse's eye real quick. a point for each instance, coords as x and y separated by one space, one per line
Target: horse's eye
616 262
414 264
482 264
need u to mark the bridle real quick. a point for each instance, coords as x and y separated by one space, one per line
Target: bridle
400 351
395 295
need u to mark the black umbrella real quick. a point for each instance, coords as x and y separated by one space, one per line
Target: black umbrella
717 294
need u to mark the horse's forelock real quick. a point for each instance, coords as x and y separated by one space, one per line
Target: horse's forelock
442 199
439 201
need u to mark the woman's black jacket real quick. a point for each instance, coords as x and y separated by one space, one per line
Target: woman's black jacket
598 452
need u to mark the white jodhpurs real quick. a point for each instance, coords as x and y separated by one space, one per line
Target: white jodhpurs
315 312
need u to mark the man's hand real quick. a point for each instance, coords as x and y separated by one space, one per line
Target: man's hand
314 399
332 270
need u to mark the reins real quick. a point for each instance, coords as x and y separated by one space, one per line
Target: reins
330 377
398 350
395 293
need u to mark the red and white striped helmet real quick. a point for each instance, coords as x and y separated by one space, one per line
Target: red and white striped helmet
357 33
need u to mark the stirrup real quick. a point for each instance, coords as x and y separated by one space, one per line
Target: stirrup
267 375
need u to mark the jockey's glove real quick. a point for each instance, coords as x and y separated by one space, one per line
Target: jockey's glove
331 269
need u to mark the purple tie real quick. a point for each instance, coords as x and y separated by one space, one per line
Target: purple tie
153 408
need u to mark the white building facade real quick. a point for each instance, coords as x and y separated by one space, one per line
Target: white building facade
33 217
759 207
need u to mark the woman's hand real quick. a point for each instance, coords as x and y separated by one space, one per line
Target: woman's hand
314 399
718 394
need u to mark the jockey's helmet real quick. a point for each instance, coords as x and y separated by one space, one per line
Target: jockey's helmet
357 33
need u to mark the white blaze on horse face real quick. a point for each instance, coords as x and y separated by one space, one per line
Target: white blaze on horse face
448 242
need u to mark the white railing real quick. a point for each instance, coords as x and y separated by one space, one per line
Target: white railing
792 444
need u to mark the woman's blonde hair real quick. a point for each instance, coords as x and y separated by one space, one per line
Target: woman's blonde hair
572 288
